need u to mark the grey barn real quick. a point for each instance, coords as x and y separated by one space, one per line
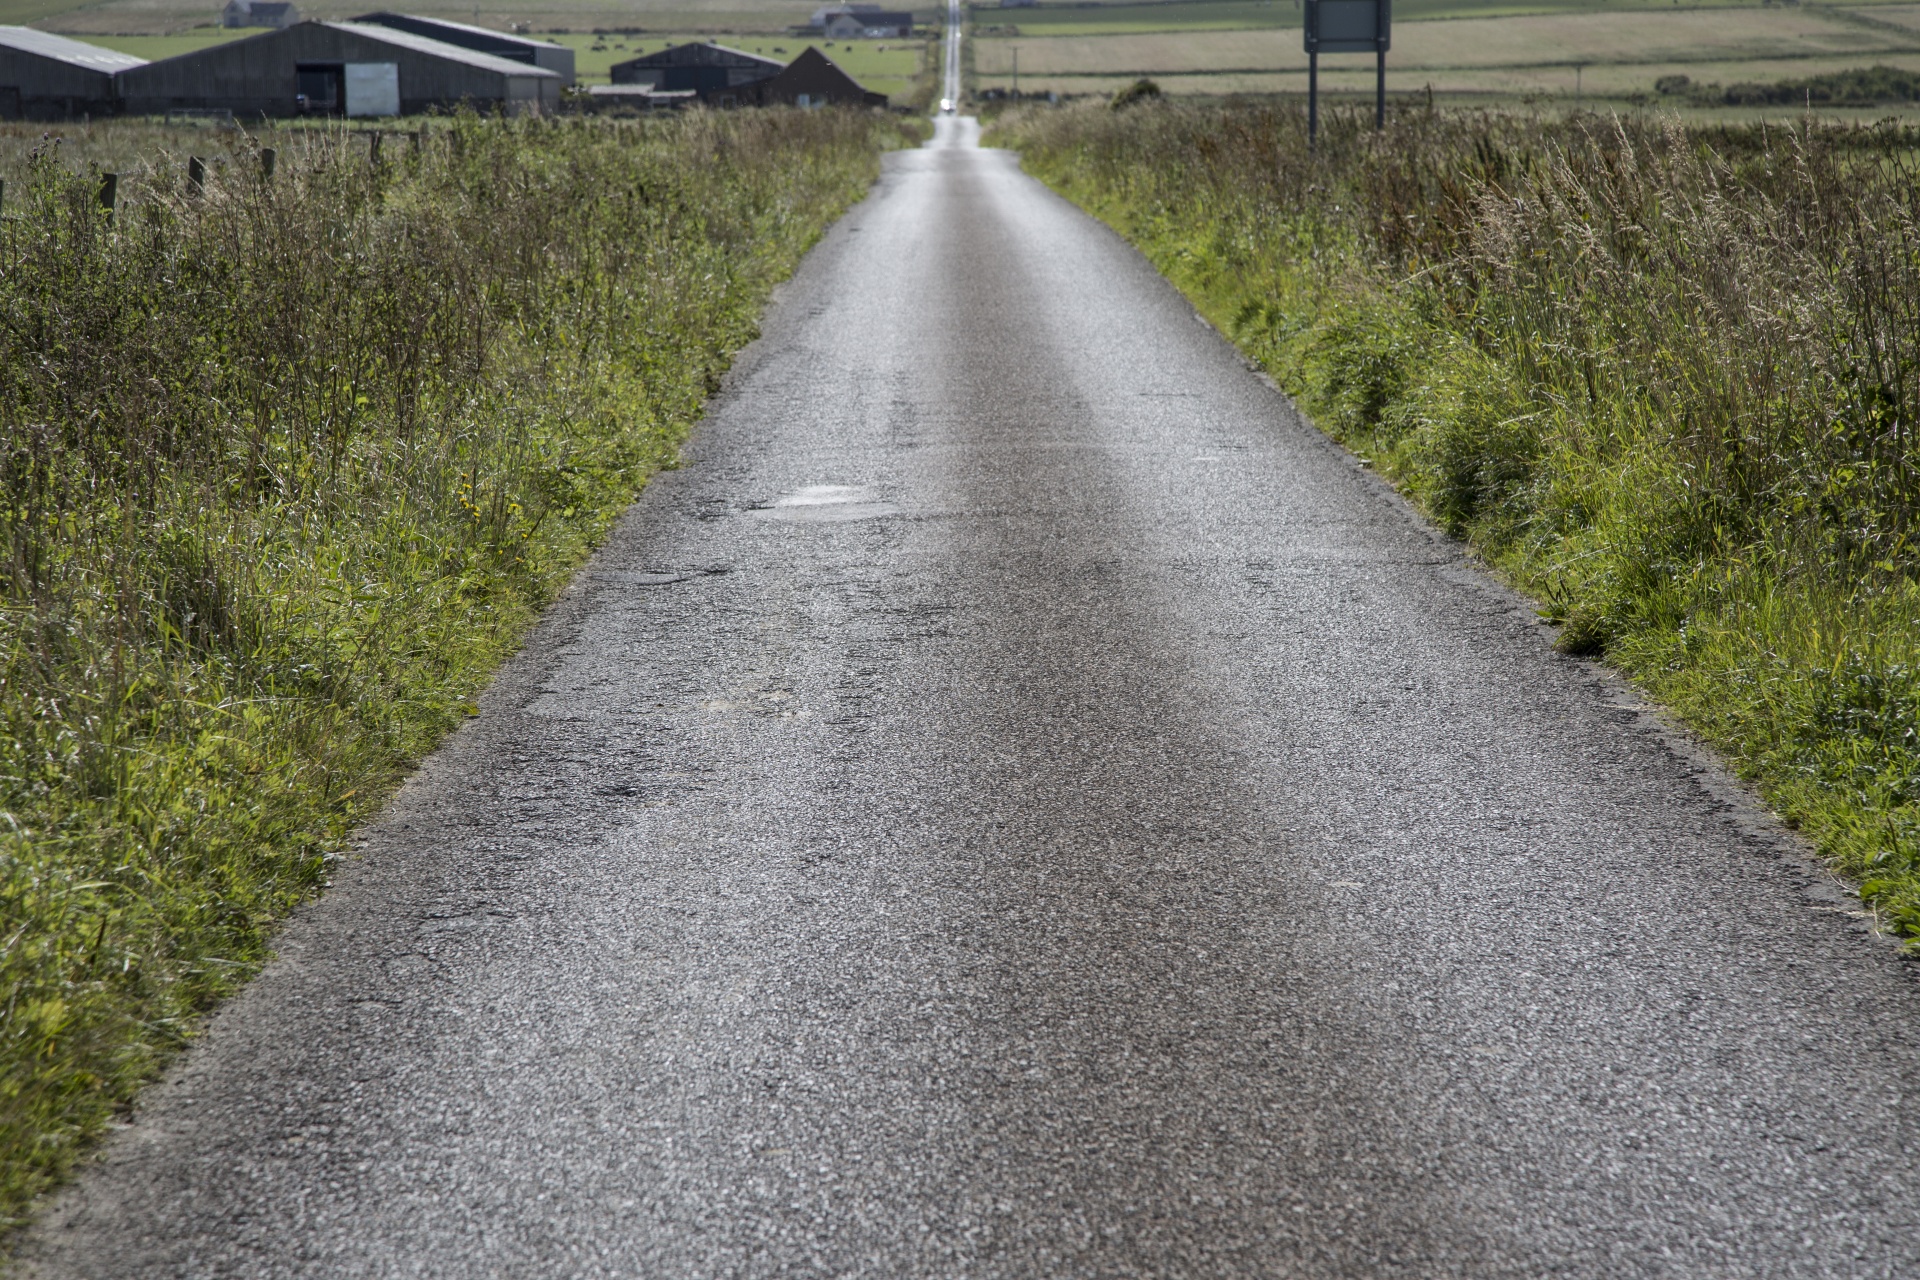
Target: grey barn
48 77
705 68
337 68
557 58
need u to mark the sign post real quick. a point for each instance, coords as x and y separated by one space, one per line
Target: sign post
1347 26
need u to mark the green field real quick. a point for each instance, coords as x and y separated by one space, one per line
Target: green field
1468 51
884 66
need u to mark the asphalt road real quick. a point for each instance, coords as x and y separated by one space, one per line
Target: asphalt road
1019 803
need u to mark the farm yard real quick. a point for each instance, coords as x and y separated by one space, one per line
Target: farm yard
1461 51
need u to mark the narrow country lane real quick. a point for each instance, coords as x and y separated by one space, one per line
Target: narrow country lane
1019 803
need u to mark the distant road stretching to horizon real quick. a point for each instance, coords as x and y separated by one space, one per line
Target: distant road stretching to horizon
1021 803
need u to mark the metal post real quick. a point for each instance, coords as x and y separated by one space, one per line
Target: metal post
1382 16
1380 92
1313 98
1016 71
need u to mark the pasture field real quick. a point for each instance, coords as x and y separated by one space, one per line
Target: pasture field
884 66
1546 50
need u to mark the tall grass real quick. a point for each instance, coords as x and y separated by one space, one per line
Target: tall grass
1665 378
286 466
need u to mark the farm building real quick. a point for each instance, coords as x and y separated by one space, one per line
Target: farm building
51 77
556 58
259 13
873 24
810 80
337 68
708 69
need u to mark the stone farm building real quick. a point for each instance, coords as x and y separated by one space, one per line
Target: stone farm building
259 13
337 68
557 58
48 77
868 24
710 70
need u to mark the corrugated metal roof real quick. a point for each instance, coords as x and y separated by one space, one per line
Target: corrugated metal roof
505 37
440 49
667 57
72 52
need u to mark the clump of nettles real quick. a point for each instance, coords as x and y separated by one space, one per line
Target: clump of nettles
1141 90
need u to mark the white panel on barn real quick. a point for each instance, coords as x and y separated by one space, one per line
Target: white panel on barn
373 88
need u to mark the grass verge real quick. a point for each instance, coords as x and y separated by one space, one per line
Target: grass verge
287 467
1665 379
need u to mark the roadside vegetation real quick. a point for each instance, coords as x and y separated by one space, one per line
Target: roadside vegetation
1665 379
287 466
1550 54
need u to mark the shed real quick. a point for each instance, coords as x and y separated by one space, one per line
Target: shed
557 58
336 68
708 69
259 13
45 77
811 80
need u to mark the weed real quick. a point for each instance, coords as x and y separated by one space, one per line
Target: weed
1665 378
289 466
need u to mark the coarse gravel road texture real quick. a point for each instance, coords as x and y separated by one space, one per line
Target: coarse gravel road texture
1020 803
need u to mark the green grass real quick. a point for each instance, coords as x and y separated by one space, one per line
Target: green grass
288 468
1588 51
883 66
1661 378
154 48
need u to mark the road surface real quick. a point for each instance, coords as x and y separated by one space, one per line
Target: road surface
1020 803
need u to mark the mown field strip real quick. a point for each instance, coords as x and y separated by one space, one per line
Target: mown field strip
1639 40
1356 75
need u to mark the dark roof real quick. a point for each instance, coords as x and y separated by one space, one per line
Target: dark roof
814 72
463 34
441 49
268 8
701 55
874 17
74 53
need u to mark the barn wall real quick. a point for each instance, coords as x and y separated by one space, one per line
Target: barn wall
258 76
50 88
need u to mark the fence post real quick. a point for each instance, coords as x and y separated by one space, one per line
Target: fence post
373 149
267 158
196 174
109 191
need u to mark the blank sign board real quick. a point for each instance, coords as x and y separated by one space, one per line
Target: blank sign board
1348 26
373 89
